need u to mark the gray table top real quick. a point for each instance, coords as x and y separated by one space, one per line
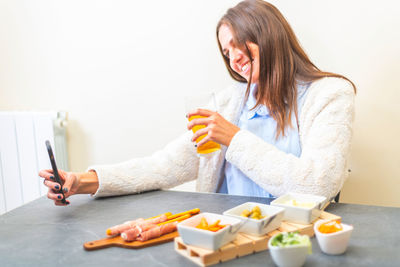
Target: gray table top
41 234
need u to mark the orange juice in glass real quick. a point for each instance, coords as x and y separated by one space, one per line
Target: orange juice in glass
206 101
208 147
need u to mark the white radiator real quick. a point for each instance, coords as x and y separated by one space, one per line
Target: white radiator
23 153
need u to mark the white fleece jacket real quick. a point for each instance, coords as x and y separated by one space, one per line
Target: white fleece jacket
325 127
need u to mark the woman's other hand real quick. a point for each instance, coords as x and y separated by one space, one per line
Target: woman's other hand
216 128
69 184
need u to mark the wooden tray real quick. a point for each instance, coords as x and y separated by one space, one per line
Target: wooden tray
117 241
244 244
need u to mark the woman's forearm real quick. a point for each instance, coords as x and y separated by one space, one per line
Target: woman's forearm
88 182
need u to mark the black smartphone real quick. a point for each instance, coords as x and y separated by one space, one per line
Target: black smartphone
55 170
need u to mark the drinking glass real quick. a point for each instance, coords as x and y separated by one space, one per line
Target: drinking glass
204 101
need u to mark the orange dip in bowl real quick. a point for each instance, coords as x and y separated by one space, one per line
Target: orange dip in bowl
330 227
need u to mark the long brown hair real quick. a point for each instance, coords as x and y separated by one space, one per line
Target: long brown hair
283 62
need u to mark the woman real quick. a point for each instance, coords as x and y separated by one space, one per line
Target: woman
286 127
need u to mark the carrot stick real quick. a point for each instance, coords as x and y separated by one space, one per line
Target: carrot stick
215 224
191 212
181 218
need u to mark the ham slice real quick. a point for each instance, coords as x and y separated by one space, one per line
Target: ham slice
157 231
157 220
133 233
118 229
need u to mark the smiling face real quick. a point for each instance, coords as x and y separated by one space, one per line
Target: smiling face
238 58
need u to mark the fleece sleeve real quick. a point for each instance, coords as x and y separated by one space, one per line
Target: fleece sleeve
175 164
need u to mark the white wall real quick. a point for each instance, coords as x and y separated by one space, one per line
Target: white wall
121 68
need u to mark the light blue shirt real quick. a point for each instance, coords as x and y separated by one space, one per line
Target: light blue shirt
259 122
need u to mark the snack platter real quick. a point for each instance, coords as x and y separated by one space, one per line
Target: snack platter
244 244
209 238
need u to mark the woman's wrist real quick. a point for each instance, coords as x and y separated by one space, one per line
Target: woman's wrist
88 182
235 130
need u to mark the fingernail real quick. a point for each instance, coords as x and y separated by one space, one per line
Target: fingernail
65 189
52 177
57 187
59 197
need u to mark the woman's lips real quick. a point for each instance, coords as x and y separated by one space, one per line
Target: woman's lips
245 68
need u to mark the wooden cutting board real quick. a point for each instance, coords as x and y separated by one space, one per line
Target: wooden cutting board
117 241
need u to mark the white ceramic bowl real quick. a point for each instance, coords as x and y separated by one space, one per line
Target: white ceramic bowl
208 239
271 221
292 256
297 214
334 243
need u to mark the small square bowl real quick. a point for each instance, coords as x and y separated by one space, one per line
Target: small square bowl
300 214
271 221
207 239
333 243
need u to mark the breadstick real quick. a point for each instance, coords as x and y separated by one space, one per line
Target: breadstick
181 218
191 212
166 214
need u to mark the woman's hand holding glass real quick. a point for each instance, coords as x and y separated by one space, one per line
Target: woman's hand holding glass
217 129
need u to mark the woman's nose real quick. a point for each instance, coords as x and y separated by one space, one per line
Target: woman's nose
236 55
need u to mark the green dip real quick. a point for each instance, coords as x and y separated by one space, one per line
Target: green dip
290 239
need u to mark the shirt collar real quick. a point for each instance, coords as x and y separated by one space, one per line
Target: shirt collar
260 110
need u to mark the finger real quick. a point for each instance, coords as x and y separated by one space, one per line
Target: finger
200 121
52 185
63 175
199 133
200 112
204 140
53 195
69 180
46 174
59 203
